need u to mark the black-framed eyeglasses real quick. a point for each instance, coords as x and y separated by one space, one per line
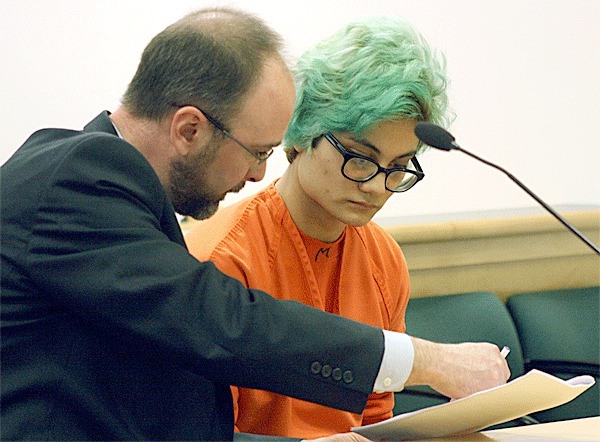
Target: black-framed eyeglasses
261 157
360 169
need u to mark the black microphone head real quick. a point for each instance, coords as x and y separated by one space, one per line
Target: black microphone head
435 136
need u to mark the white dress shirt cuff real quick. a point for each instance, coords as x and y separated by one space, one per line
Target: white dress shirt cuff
397 362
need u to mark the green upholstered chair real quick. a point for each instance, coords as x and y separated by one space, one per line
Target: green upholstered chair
465 317
559 332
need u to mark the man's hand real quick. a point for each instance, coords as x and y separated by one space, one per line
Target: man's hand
458 370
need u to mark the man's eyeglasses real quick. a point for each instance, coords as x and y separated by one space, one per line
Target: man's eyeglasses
260 156
360 169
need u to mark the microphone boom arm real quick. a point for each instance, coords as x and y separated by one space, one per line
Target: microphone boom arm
534 196
440 138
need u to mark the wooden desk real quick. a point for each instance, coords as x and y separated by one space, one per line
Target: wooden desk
586 429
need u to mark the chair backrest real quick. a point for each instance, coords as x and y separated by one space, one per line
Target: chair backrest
465 317
560 334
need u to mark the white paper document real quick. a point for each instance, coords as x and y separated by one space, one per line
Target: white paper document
532 392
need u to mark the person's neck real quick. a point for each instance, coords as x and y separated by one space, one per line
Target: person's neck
307 214
146 136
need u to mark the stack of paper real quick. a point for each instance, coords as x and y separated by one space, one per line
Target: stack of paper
532 392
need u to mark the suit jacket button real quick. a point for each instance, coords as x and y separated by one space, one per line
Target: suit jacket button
337 374
348 377
326 371
315 367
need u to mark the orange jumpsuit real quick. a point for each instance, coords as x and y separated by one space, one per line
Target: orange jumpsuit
362 276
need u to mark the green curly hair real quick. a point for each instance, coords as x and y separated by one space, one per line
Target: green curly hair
373 70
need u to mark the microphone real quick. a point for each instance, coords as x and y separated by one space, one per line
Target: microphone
439 138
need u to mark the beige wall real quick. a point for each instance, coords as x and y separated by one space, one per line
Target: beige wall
524 83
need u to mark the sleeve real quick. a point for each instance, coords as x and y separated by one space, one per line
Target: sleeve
400 288
380 405
99 249
379 408
204 238
398 321
235 394
228 263
395 369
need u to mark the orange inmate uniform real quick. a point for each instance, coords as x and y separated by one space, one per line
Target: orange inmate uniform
362 276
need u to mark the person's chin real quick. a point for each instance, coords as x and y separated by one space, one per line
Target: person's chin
361 214
206 211
236 189
354 219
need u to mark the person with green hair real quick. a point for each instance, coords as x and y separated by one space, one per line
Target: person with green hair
309 237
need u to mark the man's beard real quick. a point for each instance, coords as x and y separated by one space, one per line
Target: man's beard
188 189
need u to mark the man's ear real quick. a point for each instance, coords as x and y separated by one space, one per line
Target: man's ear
189 126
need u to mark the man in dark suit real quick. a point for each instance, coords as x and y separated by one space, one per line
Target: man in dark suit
110 329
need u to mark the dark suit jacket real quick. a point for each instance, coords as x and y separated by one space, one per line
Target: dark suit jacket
112 331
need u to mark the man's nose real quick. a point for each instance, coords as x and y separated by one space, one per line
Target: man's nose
257 172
